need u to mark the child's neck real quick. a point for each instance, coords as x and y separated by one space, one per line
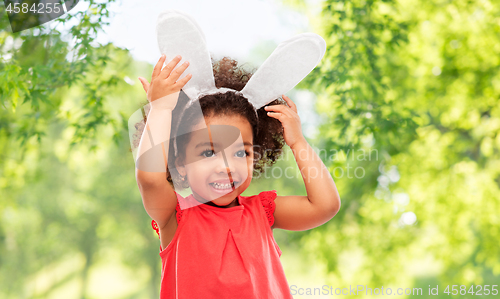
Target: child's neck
234 203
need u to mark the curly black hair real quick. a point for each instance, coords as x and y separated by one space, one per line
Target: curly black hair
267 131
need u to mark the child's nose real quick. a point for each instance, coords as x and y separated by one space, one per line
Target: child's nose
224 165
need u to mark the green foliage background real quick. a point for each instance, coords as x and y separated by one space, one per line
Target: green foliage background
416 83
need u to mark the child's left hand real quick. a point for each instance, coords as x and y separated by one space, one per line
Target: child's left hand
289 119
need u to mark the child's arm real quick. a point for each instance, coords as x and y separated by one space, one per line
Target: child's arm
158 196
322 201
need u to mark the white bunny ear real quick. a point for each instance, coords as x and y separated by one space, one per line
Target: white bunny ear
292 60
179 34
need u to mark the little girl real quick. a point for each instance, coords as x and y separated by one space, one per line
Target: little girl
216 243
223 246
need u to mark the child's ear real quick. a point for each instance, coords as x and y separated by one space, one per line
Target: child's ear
181 169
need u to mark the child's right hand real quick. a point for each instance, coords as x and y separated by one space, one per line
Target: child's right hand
164 82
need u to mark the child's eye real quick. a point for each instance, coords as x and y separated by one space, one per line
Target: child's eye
208 153
242 153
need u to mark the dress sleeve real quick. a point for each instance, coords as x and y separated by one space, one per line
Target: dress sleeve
154 225
178 212
267 199
178 216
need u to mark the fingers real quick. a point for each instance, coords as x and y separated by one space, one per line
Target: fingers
169 67
174 76
290 103
180 84
157 69
277 115
281 109
145 84
164 81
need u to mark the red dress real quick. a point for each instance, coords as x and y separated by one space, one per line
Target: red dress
224 252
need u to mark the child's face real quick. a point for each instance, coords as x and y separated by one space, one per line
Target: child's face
222 176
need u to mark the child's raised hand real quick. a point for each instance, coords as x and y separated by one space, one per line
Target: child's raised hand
164 81
290 120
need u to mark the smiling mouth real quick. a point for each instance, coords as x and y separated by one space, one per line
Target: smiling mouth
226 186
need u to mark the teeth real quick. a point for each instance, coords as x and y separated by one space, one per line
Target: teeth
221 186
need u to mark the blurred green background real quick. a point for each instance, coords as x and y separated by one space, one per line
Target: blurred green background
406 100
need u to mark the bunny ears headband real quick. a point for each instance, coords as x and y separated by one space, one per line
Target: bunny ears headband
179 34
